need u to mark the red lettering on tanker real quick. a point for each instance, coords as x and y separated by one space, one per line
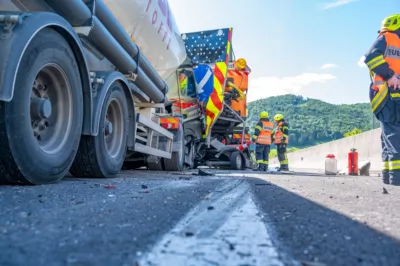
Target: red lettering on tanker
166 13
164 7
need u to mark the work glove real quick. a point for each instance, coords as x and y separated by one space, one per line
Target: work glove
394 82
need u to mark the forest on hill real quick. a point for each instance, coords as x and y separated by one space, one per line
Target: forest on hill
312 121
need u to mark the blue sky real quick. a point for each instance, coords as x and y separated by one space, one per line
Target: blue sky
306 47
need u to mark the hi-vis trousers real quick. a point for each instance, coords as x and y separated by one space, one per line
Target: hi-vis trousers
282 156
390 139
262 156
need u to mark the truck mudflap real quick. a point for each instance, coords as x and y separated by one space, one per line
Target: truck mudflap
18 29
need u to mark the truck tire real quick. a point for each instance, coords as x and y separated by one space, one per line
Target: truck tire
103 155
177 157
236 161
41 126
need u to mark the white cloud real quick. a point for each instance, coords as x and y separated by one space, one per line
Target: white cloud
264 87
325 66
338 3
360 62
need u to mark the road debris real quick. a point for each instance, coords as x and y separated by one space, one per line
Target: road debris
202 173
311 263
189 234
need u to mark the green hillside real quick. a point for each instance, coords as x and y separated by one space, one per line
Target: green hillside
313 121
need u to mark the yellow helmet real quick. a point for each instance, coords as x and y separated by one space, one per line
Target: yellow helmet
278 117
391 23
264 114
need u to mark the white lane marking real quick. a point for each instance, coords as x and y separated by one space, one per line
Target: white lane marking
241 238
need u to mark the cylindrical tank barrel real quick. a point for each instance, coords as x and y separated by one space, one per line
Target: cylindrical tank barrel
115 28
103 40
74 11
108 46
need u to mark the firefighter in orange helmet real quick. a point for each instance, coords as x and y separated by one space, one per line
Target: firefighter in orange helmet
281 140
263 140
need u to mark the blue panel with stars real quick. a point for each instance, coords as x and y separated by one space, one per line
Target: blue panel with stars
206 47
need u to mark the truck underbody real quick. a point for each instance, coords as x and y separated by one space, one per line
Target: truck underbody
77 95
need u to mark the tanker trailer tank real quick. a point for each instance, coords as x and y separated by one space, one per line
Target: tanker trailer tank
152 27
77 13
119 33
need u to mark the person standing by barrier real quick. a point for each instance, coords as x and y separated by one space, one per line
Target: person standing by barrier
281 140
383 61
262 138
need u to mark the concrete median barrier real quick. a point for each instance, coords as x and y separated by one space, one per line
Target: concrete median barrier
368 146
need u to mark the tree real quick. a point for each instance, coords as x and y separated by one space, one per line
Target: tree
355 131
313 121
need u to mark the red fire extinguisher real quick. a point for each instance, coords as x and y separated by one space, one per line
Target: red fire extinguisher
353 162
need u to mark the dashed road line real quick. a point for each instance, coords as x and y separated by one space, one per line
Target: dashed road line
224 230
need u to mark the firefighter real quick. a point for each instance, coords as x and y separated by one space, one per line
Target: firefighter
263 140
383 61
281 139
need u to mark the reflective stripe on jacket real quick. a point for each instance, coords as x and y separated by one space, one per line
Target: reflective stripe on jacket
278 134
265 134
392 56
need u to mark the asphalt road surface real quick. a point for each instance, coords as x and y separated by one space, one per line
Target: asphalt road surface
146 218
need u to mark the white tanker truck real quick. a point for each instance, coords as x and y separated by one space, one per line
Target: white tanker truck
83 88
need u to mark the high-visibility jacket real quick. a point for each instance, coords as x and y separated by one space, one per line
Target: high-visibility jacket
392 57
279 133
265 133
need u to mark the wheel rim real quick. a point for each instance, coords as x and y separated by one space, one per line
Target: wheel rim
238 161
114 128
51 108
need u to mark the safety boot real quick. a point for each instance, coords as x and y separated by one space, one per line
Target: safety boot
284 167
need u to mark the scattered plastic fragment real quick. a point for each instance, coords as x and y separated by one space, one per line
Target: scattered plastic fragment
189 234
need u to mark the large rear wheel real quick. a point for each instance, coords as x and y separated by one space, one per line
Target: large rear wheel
41 126
236 161
103 155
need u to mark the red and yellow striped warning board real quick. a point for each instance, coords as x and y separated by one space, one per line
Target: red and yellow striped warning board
214 104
